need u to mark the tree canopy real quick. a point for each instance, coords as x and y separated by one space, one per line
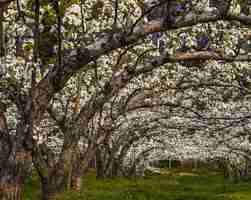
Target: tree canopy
118 79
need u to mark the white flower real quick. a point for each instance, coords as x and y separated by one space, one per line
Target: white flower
72 15
74 9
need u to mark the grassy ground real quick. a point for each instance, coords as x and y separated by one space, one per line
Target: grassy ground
177 185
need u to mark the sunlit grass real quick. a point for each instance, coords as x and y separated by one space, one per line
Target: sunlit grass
192 185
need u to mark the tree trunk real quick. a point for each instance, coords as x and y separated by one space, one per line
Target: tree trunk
99 165
76 181
2 52
112 169
76 177
54 181
195 166
10 192
13 174
76 172
15 160
54 175
52 186
80 166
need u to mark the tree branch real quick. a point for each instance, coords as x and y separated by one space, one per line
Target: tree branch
76 59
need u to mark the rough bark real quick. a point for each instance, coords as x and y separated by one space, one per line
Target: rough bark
52 186
54 175
80 167
15 161
76 181
77 175
99 165
10 192
1 35
12 175
59 176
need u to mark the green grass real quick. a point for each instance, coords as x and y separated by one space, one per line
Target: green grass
31 189
202 186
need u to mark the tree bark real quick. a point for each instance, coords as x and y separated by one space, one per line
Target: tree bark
77 175
76 181
52 186
10 192
80 166
100 165
54 175
15 160
13 174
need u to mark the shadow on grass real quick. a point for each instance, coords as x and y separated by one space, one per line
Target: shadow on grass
174 186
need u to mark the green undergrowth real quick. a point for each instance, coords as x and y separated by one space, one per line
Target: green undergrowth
177 185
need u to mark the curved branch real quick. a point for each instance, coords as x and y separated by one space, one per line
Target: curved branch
76 59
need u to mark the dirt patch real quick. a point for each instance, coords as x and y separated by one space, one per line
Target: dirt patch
187 174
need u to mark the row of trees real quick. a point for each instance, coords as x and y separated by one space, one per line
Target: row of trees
85 79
